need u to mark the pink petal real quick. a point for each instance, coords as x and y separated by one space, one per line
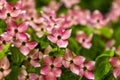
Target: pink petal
1 75
32 45
78 60
22 37
89 75
75 69
24 50
4 63
45 70
66 64
116 72
68 55
90 65
47 60
62 43
23 27
41 77
57 62
66 34
6 72
35 63
50 76
57 72
115 61
33 76
52 38
87 45
81 73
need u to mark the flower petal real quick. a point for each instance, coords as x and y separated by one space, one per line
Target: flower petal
115 61
31 45
66 64
66 34
50 76
35 63
90 65
75 69
116 72
47 60
45 70
62 43
23 27
78 60
24 50
52 38
57 62
89 75
57 72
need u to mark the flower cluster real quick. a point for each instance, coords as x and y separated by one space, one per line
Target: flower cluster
43 37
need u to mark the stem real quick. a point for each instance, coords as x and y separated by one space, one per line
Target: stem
80 78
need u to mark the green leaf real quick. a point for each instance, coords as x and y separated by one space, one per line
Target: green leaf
106 32
2 26
5 49
16 57
15 70
74 45
32 69
103 66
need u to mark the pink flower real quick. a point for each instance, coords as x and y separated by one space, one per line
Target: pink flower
14 29
115 62
4 39
86 69
84 40
70 3
4 67
59 37
72 62
51 70
34 57
97 20
11 12
51 21
23 44
24 75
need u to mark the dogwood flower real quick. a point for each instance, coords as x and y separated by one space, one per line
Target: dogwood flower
4 39
86 69
84 40
34 57
115 62
24 75
51 70
23 44
11 12
59 37
4 67
72 62
97 20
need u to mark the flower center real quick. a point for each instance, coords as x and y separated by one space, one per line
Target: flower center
15 30
29 59
50 17
14 8
84 68
1 69
23 43
98 21
4 42
71 61
32 18
59 37
42 29
52 66
8 14
27 77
